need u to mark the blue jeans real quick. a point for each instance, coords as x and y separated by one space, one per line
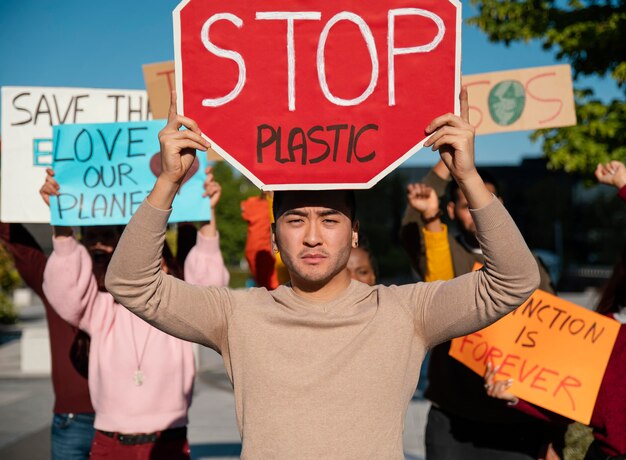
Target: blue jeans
72 435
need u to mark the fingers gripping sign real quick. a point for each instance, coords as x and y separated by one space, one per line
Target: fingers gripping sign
453 136
178 147
178 151
50 186
498 389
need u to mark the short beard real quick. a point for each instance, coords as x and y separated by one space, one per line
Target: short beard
312 285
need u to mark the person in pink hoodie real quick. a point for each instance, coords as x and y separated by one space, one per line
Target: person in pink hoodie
140 378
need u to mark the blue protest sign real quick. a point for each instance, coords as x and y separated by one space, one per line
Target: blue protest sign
105 170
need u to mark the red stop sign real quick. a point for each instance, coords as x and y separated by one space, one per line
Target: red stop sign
313 95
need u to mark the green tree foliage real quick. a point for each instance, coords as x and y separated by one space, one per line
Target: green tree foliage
577 440
9 280
591 36
599 136
232 228
7 310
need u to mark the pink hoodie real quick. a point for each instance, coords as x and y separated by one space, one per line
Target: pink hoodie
121 340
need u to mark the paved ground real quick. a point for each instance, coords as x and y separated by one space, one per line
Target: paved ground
26 402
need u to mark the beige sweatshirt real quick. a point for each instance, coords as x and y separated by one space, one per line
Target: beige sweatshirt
325 380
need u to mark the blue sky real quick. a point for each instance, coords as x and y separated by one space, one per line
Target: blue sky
103 45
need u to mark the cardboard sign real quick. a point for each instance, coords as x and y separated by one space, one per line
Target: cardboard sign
523 99
316 95
160 81
106 170
555 351
28 114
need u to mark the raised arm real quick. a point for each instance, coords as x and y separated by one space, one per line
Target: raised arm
135 277
453 137
475 300
413 219
69 283
204 265
68 280
436 252
509 275
613 173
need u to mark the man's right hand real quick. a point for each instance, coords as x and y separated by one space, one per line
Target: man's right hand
178 147
423 199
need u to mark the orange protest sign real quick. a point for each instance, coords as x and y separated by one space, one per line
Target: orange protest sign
556 352
160 81
522 99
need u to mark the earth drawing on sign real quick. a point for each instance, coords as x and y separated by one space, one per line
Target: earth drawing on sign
506 102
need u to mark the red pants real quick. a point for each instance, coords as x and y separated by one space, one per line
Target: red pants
104 447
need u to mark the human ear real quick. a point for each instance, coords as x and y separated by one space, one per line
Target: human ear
355 234
450 208
274 240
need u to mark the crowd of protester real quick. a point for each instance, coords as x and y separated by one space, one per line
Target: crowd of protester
123 367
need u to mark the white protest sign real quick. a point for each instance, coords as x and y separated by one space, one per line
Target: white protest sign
28 114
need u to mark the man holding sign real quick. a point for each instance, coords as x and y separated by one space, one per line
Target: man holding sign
324 367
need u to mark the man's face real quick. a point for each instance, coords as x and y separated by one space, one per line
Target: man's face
459 210
315 236
100 242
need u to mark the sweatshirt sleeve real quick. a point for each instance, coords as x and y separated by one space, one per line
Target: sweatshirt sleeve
136 280
69 284
475 300
204 266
